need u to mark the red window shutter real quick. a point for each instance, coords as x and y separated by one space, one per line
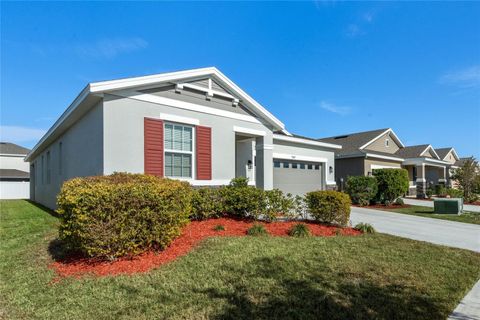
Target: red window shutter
204 153
153 146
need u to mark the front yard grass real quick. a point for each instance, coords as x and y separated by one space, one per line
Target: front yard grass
341 277
421 211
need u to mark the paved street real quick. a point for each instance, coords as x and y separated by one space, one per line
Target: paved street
415 202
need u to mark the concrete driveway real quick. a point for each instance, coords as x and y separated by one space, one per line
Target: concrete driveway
448 233
426 203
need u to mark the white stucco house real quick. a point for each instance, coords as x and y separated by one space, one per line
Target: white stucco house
14 175
195 125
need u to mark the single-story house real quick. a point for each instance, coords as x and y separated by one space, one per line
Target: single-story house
194 125
363 152
14 175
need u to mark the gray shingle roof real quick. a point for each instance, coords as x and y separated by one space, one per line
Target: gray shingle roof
352 142
442 152
13 173
11 148
460 162
411 151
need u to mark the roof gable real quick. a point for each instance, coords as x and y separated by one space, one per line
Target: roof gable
12 148
444 153
418 151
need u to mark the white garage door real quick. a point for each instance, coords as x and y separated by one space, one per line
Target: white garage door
297 177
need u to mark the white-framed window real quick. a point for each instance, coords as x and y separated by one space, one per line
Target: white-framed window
387 142
178 145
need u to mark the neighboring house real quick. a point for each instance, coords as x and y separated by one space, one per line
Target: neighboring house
14 175
450 156
194 125
363 152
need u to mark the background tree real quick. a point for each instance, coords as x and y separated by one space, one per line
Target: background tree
468 178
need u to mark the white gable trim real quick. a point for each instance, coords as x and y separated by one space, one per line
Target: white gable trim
431 148
381 135
372 155
452 151
180 75
249 131
179 119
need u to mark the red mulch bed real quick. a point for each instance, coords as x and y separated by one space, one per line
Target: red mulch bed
191 236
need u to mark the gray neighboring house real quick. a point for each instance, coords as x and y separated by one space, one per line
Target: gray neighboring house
363 152
14 175
194 125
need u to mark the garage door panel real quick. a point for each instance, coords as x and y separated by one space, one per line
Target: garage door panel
297 181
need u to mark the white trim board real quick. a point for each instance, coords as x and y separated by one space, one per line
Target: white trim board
380 166
434 152
298 157
249 131
179 119
306 141
372 155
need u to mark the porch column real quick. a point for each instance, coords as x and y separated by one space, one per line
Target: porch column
264 162
443 176
421 182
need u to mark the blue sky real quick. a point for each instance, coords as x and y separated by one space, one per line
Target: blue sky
323 68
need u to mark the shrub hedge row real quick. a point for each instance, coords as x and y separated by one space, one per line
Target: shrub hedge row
126 214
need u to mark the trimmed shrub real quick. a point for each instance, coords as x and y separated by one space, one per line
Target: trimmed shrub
365 228
454 193
277 203
392 183
243 200
399 202
299 230
206 203
440 190
329 206
122 214
361 189
257 230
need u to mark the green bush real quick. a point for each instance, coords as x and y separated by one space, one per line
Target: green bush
430 191
361 189
454 193
392 183
440 190
257 230
122 214
329 206
277 203
365 228
399 202
206 203
242 200
299 230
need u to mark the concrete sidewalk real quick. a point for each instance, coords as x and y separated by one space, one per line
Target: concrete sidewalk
448 233
427 203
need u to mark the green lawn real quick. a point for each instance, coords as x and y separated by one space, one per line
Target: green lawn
370 276
467 217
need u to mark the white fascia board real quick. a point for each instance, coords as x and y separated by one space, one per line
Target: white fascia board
425 161
381 166
373 155
305 141
298 157
179 75
452 150
179 119
249 131
184 105
380 135
12 155
78 100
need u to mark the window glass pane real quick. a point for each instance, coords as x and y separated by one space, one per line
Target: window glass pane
186 166
310 167
302 166
276 164
168 165
317 167
168 136
177 137
285 164
294 165
187 139
177 165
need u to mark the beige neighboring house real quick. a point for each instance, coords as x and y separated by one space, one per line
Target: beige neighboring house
363 152
14 172
450 156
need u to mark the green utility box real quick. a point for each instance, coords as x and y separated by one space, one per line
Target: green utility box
448 206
